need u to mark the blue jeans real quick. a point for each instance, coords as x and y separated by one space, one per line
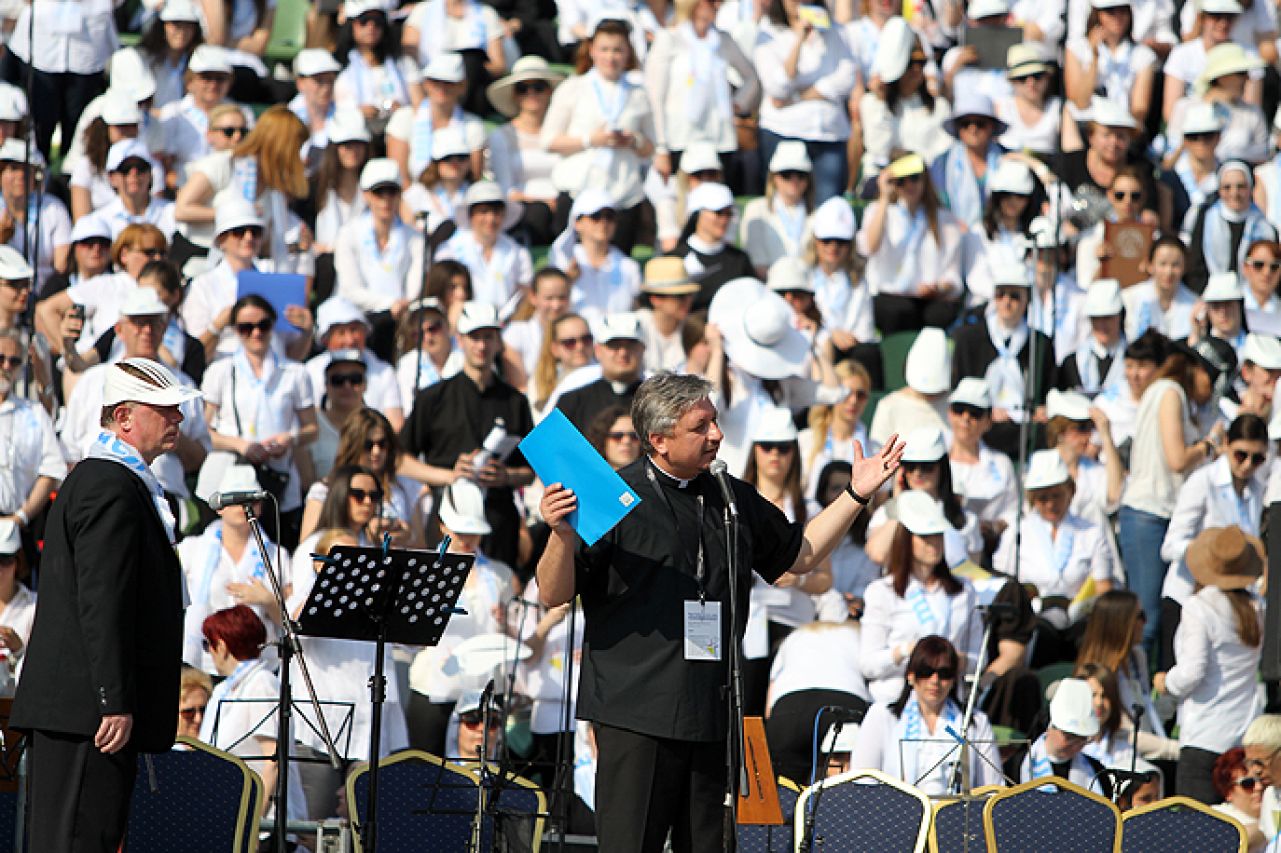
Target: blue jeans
1140 535
831 164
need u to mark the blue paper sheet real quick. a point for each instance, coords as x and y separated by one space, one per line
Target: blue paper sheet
558 453
278 288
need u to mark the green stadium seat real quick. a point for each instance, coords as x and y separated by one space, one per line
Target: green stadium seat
288 31
894 349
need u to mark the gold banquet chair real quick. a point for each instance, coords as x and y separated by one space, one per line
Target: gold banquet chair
1051 815
1176 824
860 811
957 825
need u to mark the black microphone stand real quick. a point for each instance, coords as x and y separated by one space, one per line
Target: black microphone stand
735 769
290 647
961 770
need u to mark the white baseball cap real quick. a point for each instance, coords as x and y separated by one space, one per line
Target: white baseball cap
336 311
1202 117
709 196
700 157
790 156
159 387
1067 404
10 536
314 60
126 149
13 267
986 9
446 67
1103 298
14 150
774 424
620 326
179 12
238 478
209 59
347 126
1072 708
1221 7
462 509
789 274
972 391
921 514
476 316
1046 468
90 228
380 172
448 142
1109 113
1013 177
929 362
924 444
834 220
1262 351
143 302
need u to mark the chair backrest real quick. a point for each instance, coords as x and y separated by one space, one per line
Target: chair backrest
419 796
862 810
288 31
522 808
1050 815
204 800
957 826
773 839
1180 823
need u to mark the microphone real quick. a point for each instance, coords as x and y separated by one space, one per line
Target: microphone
842 714
486 695
718 470
221 500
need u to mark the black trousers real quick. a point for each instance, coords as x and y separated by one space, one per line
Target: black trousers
909 314
1195 775
647 786
77 797
56 99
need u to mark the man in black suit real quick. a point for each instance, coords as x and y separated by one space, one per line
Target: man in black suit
100 682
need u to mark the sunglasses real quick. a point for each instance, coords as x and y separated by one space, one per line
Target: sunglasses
475 718
8 560
363 496
338 380
380 443
1009 293
723 214
945 673
244 230
923 467
774 446
17 283
1200 137
153 253
623 435
1247 783
231 132
247 329
605 215
834 241
1255 459
386 191
456 159
965 409
573 343
130 167
1270 266
432 328
1035 77
793 175
1081 426
101 243
906 179
706 174
190 714
535 86
966 122
493 207
1122 195
213 77
369 19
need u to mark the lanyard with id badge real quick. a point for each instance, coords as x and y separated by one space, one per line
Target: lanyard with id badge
702 618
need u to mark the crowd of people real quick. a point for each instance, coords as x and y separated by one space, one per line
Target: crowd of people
502 209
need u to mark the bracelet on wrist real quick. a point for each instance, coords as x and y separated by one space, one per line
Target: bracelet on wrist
21 515
858 499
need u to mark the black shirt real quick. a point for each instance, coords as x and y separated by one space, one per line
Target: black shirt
453 417
582 405
726 265
1073 171
634 582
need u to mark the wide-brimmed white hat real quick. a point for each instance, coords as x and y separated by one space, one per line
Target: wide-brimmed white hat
129 73
1103 298
921 514
924 444
1227 58
159 388
974 104
789 274
1202 117
336 311
790 156
502 93
1067 404
462 509
1223 287
972 391
1024 59
13 267
476 316
773 425
446 67
929 362
313 61
1013 177
619 326
143 302
1045 469
701 157
1072 708
1262 351
236 213
893 50
834 220
756 324
380 172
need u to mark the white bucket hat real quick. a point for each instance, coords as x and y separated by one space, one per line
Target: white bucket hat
789 274
314 61
757 326
1111 114
1202 117
236 213
336 311
893 50
462 509
929 363
1103 298
238 478
1046 468
13 267
1072 708
921 514
160 388
709 196
179 12
1223 287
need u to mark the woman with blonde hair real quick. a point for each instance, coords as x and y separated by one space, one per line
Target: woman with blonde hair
567 346
264 168
834 429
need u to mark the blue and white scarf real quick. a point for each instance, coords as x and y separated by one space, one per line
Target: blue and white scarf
391 88
914 740
707 97
964 192
1053 551
1005 375
110 446
421 136
930 620
1216 236
611 110
909 269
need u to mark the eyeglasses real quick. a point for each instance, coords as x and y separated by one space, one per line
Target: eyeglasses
193 712
231 132
1009 293
432 328
792 175
966 122
1122 195
945 673
623 435
338 380
380 443
245 230
537 87
362 496
966 410
774 446
923 467
574 343
606 215
1255 459
1270 266
1261 764
906 179
247 329
1247 783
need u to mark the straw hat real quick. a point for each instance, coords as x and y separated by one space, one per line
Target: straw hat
666 276
1225 557
502 93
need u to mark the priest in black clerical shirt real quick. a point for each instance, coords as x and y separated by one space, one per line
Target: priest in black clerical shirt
620 350
656 607
1098 362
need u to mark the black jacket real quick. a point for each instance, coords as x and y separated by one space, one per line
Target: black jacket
108 629
582 405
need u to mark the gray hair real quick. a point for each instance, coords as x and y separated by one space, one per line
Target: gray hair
1265 731
662 400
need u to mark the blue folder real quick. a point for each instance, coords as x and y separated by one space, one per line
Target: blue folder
558 453
279 288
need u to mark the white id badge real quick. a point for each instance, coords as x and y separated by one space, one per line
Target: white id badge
703 630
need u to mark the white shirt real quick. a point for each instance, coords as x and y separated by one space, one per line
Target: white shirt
607 289
987 488
28 450
413 126
1207 499
521 163
883 744
1065 321
19 614
102 297
543 680
821 656
890 620
687 110
215 290
74 38
372 278
414 374
1153 486
1245 137
934 262
55 231
440 32
825 64
885 130
831 450
1118 68
381 390
1152 20
1057 565
1215 674
1040 138
771 230
359 85
498 279
1143 311
159 213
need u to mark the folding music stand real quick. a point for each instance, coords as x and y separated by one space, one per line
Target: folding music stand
381 595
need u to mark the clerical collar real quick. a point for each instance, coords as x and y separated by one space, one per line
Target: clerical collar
703 247
680 484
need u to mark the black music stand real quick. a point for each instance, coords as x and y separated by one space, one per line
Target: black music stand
381 595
